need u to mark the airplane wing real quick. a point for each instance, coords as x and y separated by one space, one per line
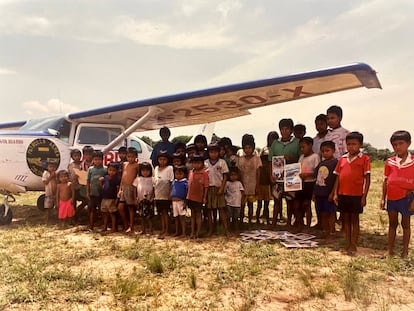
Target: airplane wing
231 101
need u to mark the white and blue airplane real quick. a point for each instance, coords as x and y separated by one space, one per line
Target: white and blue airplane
25 147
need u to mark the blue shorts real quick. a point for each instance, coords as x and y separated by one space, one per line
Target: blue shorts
322 205
400 206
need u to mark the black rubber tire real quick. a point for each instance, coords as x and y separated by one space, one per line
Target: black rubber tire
5 219
41 202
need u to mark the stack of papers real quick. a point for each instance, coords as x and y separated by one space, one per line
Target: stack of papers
290 240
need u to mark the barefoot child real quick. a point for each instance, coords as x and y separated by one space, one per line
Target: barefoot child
179 191
217 175
163 177
263 189
234 195
322 191
127 191
110 188
65 196
76 156
145 196
49 180
94 186
308 161
397 189
197 193
249 164
351 187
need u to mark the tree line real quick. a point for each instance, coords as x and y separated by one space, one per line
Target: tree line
374 153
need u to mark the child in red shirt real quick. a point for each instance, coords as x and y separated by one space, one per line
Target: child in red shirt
197 193
351 187
397 188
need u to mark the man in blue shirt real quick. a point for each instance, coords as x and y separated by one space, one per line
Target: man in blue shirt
164 144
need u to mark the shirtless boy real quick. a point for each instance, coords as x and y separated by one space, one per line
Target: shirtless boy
127 192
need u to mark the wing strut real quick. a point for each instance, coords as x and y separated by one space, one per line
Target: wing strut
152 110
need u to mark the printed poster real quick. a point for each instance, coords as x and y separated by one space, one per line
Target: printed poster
82 176
293 182
278 167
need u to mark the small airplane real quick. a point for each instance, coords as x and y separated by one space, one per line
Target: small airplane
27 146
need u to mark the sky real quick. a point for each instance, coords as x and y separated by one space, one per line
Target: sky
65 56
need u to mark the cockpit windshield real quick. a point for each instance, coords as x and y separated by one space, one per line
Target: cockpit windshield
55 125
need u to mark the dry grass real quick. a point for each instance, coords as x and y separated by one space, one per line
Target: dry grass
48 268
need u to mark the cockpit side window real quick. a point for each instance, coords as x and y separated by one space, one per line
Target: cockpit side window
90 135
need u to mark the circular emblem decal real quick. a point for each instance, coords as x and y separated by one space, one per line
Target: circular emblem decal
39 152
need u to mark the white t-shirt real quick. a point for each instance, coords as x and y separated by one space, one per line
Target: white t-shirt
162 182
145 188
49 188
216 171
338 136
308 165
232 193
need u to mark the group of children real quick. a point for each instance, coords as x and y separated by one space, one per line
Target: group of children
216 180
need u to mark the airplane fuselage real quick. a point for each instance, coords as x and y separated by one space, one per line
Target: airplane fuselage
24 153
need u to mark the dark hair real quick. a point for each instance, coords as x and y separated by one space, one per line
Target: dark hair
197 158
180 144
75 151
200 138
165 130
213 146
163 154
248 140
190 147
122 149
300 127
286 123
180 156
328 144
98 154
307 140
144 166
355 135
114 165
132 150
225 141
62 172
181 168
52 162
271 134
321 117
401 135
234 169
335 110
87 149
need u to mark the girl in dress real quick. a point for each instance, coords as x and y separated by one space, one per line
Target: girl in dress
145 196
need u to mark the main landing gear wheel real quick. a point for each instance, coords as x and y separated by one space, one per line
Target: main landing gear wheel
41 202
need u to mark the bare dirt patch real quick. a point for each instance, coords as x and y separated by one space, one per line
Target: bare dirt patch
44 267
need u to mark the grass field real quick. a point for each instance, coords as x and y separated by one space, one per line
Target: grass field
47 268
